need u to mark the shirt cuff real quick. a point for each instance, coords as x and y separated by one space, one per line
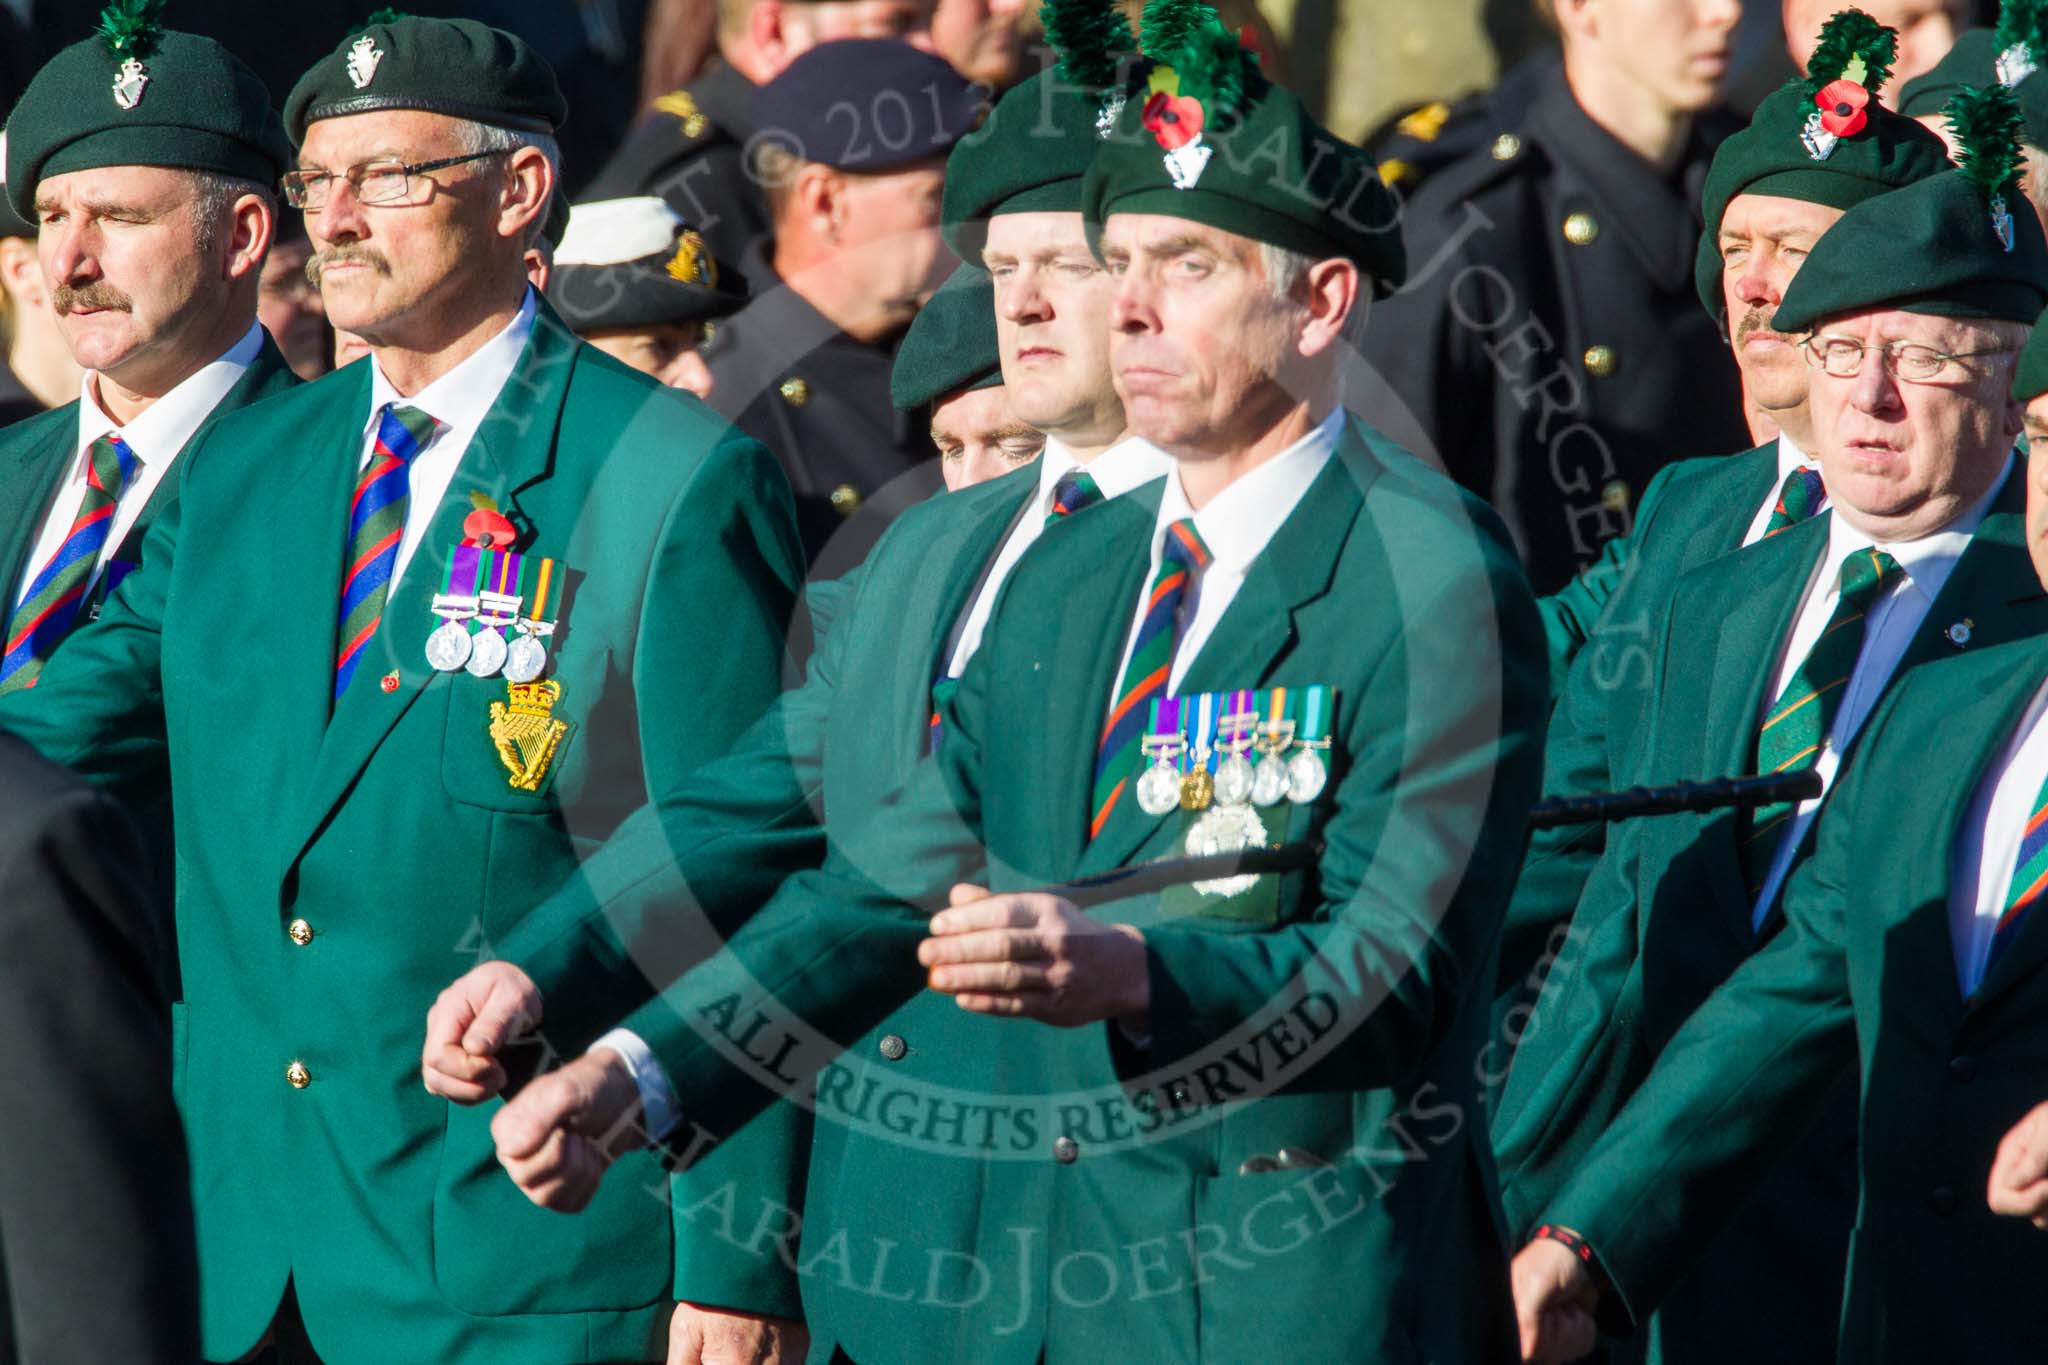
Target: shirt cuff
658 1106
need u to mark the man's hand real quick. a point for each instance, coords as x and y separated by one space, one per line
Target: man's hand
1037 957
1554 1302
470 1022
558 1136
711 1336
2019 1173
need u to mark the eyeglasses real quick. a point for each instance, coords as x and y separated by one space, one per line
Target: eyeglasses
373 182
1842 357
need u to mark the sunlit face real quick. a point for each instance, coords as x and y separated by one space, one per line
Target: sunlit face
121 254
383 268
890 229
1052 322
804 26
1895 451
980 438
982 39
2037 486
1927 30
1764 240
1199 341
1674 51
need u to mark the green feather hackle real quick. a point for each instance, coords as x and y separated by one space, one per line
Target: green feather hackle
1986 124
1214 66
1849 36
1091 38
131 28
2021 24
386 15
1167 25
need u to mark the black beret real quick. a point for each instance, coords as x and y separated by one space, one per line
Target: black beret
136 95
457 67
867 105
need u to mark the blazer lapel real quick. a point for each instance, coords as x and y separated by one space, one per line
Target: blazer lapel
1992 595
1295 568
1994 716
38 471
512 449
1755 595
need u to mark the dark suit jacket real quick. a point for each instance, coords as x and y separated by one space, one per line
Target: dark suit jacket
96 1260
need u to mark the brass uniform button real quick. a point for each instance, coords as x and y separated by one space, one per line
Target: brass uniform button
1614 496
1580 229
297 1077
795 392
892 1047
1506 147
300 931
1600 361
845 499
1065 1150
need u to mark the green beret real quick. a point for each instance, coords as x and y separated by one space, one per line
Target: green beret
456 67
1969 62
1210 140
1962 244
1789 153
136 95
2030 375
1032 153
951 346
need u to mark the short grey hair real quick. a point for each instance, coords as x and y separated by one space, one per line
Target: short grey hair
1285 271
213 194
473 137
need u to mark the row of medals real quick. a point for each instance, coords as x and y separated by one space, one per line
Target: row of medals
1274 779
485 653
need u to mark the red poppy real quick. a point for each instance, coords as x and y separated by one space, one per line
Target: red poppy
1175 120
1841 107
489 530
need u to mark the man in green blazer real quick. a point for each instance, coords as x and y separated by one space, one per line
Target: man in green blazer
1767 202
1260 1121
1770 660
354 806
155 221
910 620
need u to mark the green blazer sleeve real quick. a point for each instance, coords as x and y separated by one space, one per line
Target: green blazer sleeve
1569 613
1739 1080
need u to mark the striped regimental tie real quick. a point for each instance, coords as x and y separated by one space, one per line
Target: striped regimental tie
376 524
2029 880
1181 558
1804 714
1071 492
51 605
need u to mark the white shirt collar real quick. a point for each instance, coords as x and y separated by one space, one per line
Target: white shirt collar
1791 457
462 397
1240 520
1928 560
1126 465
161 430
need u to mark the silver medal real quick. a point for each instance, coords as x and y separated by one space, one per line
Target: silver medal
526 658
1234 780
1306 776
448 647
487 653
1159 788
1269 781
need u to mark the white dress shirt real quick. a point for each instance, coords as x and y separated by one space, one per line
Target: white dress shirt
1790 457
157 436
1888 628
1116 471
1237 525
1987 849
458 401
